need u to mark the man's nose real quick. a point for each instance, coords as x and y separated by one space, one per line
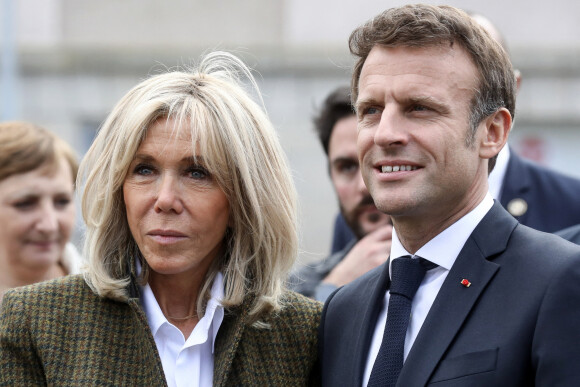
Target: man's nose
390 130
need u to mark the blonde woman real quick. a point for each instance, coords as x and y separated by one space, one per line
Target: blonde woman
37 212
191 231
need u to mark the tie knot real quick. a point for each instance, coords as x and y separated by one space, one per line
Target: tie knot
407 274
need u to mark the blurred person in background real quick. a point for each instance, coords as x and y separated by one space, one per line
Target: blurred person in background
37 212
536 196
548 200
191 231
336 126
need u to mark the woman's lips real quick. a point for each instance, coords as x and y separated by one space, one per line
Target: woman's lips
166 236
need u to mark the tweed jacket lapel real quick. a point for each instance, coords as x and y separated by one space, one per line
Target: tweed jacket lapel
147 341
446 318
226 345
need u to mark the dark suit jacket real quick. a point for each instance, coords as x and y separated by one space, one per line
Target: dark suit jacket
60 333
518 324
571 234
553 199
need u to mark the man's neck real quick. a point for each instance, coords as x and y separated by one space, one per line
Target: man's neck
415 231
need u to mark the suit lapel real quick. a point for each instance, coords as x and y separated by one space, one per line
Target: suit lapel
446 317
371 310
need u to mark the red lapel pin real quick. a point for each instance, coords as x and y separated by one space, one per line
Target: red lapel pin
465 283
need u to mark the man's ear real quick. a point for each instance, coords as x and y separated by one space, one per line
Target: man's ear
495 135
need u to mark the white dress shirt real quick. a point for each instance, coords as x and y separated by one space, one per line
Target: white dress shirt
442 250
495 179
186 361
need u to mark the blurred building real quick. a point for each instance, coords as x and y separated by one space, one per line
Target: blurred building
76 58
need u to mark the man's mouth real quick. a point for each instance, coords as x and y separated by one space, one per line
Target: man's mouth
397 168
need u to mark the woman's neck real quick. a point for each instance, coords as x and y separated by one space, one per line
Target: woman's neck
177 300
11 277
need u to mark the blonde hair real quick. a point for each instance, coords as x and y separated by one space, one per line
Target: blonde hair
25 147
241 150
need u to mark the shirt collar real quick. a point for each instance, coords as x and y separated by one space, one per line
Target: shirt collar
495 179
444 248
214 311
213 317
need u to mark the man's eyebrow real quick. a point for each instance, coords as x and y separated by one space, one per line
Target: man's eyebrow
361 103
430 101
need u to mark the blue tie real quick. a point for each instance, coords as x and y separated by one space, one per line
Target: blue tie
406 276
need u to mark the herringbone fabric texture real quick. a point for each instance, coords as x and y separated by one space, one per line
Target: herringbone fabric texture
406 276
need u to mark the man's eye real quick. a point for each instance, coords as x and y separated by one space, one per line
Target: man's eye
420 108
347 168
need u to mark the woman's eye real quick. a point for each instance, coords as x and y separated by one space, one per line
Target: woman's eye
62 202
198 173
24 205
143 169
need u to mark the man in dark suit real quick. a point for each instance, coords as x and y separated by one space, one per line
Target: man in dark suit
435 100
536 196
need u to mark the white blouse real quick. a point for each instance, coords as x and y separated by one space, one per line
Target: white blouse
186 361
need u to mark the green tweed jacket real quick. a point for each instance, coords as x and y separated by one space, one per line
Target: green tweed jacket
60 333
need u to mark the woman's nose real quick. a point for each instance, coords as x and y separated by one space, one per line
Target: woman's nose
48 218
168 196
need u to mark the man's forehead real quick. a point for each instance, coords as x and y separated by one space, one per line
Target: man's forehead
419 71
